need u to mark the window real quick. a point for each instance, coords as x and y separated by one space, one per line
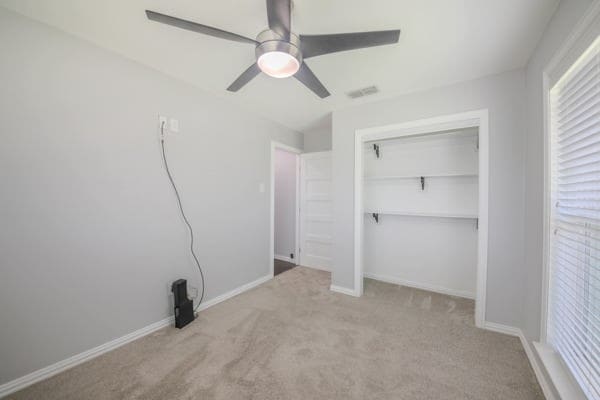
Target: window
573 326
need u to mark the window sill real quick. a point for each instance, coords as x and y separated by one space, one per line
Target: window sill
561 377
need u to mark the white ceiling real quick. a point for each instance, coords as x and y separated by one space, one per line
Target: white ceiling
442 42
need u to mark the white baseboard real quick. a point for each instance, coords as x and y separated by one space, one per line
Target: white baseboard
234 292
51 370
422 286
284 258
499 328
56 368
343 290
513 331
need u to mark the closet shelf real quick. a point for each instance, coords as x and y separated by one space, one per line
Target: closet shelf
391 177
424 214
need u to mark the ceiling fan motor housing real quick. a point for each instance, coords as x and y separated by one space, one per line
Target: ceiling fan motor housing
270 41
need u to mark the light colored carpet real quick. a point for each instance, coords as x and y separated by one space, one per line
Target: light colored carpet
292 338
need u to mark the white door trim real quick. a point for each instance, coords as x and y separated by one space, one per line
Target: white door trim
471 119
278 145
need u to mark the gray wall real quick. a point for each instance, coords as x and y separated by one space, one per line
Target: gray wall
567 15
503 95
318 138
315 141
285 203
90 235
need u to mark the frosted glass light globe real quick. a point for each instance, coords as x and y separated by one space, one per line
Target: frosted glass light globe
278 64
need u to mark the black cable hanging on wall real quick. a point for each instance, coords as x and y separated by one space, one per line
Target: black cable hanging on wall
187 223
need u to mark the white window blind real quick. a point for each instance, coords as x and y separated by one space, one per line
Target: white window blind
573 328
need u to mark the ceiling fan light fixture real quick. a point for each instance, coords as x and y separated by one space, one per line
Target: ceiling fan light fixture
278 64
279 52
276 57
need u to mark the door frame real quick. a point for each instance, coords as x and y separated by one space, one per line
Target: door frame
472 119
275 145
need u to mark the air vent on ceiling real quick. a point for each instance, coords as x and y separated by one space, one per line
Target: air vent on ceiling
367 91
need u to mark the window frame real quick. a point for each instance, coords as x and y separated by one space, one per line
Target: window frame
583 36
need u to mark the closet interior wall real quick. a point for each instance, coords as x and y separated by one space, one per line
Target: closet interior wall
421 211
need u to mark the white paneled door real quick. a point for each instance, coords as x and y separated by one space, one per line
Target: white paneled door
315 210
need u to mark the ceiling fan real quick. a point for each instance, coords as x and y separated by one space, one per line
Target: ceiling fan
281 53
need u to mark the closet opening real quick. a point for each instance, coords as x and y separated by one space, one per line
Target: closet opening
421 201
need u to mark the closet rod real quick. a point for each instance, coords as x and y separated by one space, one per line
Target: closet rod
391 177
422 214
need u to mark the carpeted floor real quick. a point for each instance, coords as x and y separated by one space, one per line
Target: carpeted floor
292 338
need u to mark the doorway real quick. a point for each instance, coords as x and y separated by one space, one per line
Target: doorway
285 177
